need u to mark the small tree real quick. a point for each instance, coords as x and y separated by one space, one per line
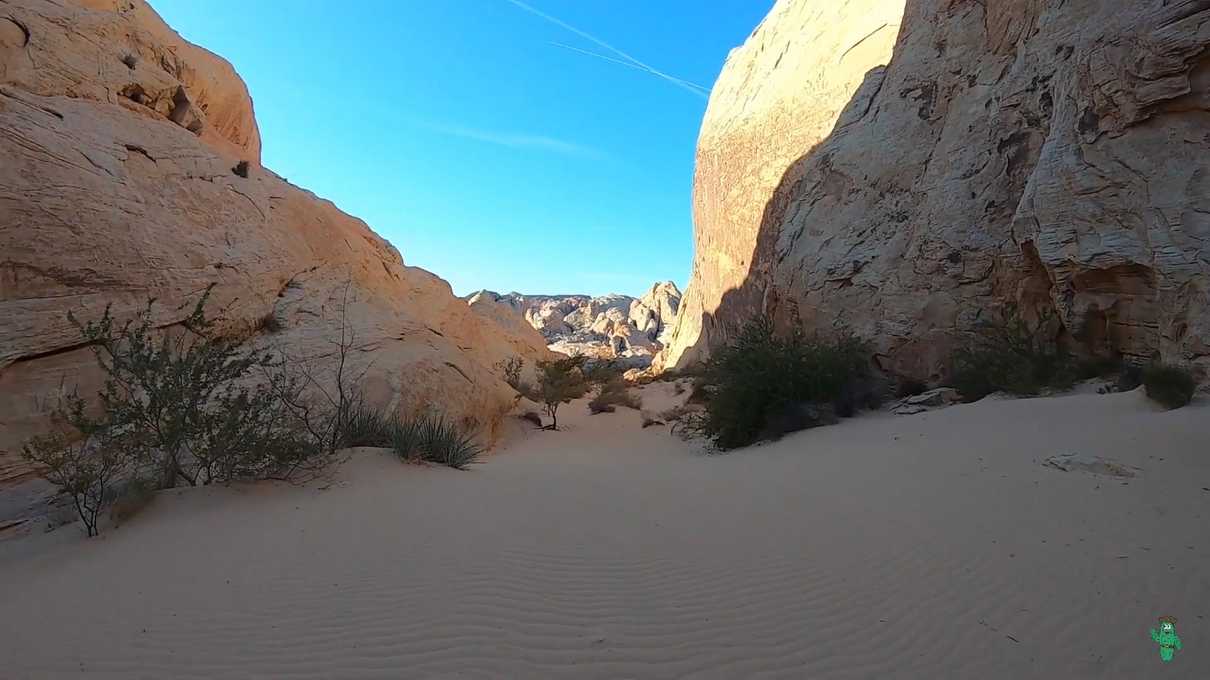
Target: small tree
83 467
559 382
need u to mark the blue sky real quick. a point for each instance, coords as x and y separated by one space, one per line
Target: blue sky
477 137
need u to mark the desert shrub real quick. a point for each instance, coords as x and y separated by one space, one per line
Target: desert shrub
602 371
793 417
760 374
1087 368
83 468
1129 378
532 417
269 323
686 422
612 394
699 393
511 368
187 401
443 442
1170 386
1008 355
909 387
136 495
865 391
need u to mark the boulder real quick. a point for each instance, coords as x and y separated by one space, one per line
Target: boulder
935 398
655 311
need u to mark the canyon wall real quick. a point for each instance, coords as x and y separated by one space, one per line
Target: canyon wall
1047 156
131 168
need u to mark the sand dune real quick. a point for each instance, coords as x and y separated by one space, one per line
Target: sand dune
926 546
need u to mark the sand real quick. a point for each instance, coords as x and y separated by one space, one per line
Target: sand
934 545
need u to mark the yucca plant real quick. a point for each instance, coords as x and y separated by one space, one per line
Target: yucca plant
441 441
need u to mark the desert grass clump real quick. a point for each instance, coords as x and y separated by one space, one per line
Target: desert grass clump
760 373
432 439
366 426
443 442
611 394
135 496
1009 355
1170 386
269 323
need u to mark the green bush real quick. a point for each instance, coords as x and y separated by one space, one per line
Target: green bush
1171 386
187 404
759 374
1011 356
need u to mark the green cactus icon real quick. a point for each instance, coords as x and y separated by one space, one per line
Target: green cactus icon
1166 637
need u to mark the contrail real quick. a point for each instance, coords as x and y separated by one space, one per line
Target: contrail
590 53
690 87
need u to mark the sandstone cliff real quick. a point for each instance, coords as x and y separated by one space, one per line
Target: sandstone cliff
131 168
905 169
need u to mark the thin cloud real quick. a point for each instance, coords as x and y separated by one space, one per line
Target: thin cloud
683 84
627 64
517 140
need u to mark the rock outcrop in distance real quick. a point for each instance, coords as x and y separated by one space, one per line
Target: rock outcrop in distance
131 168
907 169
620 327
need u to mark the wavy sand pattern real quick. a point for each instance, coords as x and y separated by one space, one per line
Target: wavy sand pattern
929 546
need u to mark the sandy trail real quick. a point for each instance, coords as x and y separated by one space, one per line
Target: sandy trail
926 546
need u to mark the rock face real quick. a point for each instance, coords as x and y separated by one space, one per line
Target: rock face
1048 156
607 327
131 168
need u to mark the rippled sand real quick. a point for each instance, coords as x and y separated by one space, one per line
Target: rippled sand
926 546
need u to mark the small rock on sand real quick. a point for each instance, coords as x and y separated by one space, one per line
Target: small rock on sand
1083 462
